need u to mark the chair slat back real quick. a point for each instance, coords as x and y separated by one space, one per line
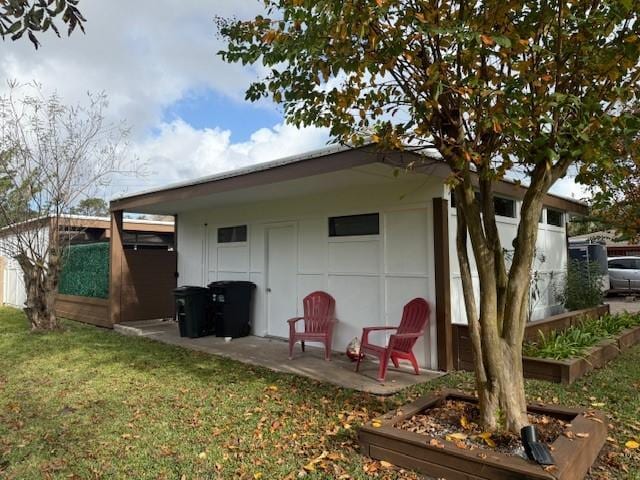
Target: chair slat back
415 318
319 311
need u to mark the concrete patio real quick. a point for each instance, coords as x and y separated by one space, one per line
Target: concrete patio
273 354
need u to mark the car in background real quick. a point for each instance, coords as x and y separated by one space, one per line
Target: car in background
624 274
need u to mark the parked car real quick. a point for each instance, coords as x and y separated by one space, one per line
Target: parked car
624 273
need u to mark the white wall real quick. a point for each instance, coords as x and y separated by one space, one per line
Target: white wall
14 293
550 263
371 277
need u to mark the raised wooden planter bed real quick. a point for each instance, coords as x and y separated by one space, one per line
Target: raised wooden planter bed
569 370
574 456
557 371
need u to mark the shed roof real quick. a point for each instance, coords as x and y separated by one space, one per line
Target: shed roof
325 160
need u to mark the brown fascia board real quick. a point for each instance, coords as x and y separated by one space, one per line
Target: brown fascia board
317 165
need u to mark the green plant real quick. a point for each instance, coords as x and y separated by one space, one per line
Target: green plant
573 342
85 271
583 286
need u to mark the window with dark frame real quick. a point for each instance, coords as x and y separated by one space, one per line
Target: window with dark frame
504 207
232 234
353 225
555 217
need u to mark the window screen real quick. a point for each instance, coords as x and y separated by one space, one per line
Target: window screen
367 224
555 217
232 234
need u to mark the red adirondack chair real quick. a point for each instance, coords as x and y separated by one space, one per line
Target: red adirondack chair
415 318
319 319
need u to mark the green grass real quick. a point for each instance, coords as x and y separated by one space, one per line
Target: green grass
574 341
89 403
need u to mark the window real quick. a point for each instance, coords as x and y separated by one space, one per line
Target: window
505 207
232 234
367 224
623 264
555 217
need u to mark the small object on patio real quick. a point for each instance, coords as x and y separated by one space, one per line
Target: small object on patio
319 319
353 350
415 318
536 451
227 339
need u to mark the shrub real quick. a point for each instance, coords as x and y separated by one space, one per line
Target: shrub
583 286
574 341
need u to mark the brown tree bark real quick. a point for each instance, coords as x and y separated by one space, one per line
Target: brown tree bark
41 284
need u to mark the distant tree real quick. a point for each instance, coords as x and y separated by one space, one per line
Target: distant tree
94 207
51 155
18 17
515 87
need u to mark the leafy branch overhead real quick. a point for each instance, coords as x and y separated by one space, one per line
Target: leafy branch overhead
18 17
525 88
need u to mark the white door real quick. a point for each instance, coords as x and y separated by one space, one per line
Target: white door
281 278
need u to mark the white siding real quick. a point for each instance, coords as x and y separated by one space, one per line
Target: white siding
371 277
550 263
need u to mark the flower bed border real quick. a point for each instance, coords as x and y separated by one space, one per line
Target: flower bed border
556 371
411 450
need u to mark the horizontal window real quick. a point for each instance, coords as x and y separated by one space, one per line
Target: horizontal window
232 234
367 224
504 207
555 217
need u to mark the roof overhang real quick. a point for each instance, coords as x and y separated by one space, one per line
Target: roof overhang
265 177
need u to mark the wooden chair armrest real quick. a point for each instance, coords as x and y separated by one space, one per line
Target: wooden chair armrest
294 320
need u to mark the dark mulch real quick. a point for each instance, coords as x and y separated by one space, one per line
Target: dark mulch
458 421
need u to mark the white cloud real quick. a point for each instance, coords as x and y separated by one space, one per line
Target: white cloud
180 152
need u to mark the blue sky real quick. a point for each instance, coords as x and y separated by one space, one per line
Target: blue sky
209 109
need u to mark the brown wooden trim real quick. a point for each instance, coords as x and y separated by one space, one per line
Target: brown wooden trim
573 456
304 168
116 260
326 163
442 283
84 309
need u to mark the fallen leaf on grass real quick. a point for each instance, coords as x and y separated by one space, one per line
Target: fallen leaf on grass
632 444
386 464
202 455
582 435
434 442
464 422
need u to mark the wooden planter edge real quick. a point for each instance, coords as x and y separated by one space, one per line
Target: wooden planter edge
574 456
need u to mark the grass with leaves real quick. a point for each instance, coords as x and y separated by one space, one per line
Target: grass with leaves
89 403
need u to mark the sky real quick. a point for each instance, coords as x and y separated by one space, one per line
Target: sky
157 61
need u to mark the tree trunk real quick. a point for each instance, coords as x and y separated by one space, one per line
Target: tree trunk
41 282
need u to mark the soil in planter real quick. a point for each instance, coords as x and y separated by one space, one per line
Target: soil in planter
457 421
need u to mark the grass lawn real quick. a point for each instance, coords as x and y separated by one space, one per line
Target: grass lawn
89 403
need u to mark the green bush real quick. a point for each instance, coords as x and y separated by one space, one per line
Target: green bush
85 271
574 341
583 286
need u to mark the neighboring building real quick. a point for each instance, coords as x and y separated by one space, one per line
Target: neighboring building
77 229
615 246
352 222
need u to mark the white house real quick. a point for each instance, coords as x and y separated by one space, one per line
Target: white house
353 222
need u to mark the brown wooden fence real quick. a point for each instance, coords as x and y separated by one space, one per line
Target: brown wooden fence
84 309
147 284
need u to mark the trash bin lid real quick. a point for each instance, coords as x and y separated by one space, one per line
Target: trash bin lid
232 283
190 289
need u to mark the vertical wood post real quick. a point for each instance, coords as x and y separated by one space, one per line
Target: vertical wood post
443 283
116 259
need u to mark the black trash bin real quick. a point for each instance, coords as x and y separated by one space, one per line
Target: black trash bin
192 311
231 308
